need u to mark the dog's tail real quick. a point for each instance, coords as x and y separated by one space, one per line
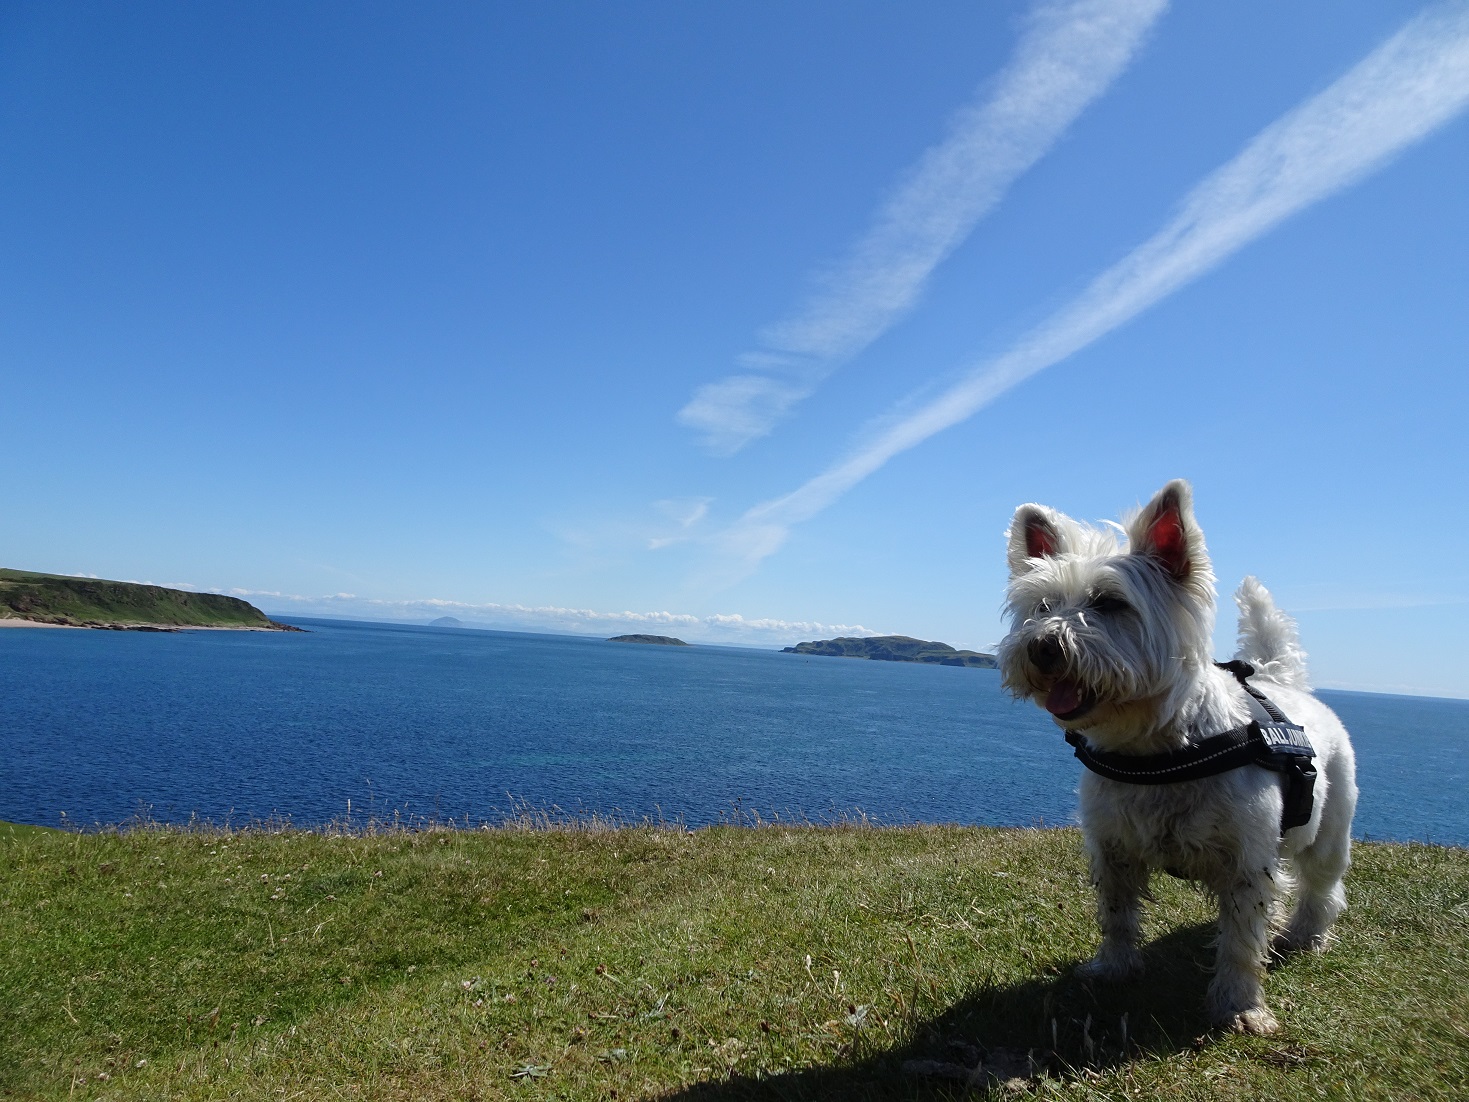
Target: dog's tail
1267 637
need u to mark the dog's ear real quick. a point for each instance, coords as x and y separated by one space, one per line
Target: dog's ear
1035 533
1165 530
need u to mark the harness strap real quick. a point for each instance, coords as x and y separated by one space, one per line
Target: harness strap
1214 755
1242 670
1269 740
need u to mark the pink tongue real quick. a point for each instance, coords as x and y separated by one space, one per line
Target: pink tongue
1064 697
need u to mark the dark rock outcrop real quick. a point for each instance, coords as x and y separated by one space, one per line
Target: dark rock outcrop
895 648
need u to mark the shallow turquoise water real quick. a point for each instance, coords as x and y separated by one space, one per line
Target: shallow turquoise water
103 726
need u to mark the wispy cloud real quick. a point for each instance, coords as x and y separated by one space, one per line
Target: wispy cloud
716 628
1412 84
1068 54
685 513
1377 602
1396 688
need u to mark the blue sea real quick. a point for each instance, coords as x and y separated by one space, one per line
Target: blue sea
100 727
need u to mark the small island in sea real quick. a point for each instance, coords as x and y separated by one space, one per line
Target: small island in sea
446 622
657 640
895 648
59 600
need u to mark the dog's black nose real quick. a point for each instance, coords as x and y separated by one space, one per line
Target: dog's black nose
1045 654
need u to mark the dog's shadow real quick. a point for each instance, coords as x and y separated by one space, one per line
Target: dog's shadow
1056 1025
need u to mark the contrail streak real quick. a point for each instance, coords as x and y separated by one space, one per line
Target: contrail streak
1070 52
1411 85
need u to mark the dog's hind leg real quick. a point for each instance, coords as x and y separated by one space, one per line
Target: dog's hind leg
1236 996
1121 878
1320 867
1320 900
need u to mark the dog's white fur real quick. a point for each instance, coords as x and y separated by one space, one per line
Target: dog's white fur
1123 633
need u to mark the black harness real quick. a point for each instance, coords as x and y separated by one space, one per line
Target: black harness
1268 740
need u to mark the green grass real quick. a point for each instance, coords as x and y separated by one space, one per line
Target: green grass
58 599
727 963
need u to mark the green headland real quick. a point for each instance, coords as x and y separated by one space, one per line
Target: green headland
99 603
895 648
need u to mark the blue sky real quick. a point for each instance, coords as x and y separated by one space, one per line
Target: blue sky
750 322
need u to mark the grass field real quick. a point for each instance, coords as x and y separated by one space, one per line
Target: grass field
727 963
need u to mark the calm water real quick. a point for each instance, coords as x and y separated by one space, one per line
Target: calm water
428 722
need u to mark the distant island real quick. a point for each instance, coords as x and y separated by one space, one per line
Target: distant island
64 601
658 640
446 622
895 648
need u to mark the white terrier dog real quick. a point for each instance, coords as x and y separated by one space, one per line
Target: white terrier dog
1115 644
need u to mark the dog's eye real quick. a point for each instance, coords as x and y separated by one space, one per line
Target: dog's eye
1106 603
1044 606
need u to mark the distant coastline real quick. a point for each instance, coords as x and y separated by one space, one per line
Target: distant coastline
895 648
655 640
30 599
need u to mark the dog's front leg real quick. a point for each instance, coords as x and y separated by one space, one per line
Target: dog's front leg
1236 997
1120 878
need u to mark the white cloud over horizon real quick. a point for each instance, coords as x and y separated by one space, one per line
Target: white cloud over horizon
1410 85
1069 53
718 627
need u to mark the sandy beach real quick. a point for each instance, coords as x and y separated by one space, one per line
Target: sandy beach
18 622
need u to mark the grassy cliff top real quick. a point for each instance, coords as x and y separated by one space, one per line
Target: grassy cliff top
96 602
708 966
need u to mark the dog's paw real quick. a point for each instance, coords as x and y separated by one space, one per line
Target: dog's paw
1112 966
1257 1021
1236 1003
1290 943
